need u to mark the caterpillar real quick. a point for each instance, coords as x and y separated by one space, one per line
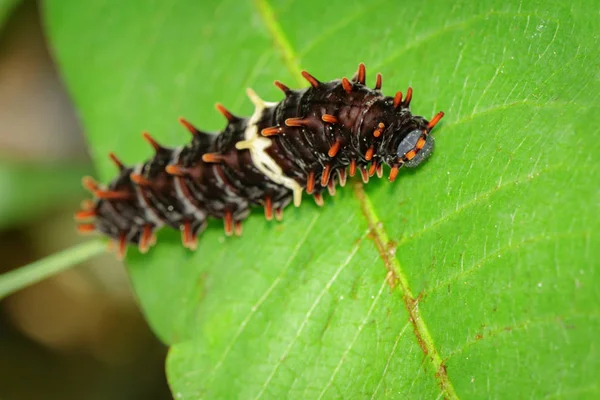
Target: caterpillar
307 142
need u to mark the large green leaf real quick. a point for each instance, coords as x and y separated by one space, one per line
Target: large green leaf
473 276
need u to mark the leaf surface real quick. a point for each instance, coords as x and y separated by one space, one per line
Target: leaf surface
474 275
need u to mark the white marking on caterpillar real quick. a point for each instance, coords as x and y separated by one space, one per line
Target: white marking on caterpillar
257 144
148 210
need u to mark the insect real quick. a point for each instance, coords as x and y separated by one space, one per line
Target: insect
307 142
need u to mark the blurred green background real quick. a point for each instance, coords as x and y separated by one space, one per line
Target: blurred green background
80 334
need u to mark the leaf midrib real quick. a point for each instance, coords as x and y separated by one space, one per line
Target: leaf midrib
378 233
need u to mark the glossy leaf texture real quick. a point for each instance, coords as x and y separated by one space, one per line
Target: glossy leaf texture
473 276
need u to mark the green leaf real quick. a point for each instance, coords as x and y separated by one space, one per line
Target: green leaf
473 276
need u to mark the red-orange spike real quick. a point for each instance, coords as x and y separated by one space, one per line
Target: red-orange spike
186 234
116 161
319 199
230 117
228 222
408 96
284 88
212 158
85 214
173 169
89 183
122 249
140 180
369 153
187 125
268 208
394 173
333 150
373 168
279 214
86 228
296 122
145 238
311 79
342 176
310 182
347 85
87 204
397 99
361 74
364 174
378 82
273 130
331 187
325 175
352 170
113 195
151 141
329 118
435 120
238 228
379 170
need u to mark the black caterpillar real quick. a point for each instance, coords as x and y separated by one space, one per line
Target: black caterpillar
304 142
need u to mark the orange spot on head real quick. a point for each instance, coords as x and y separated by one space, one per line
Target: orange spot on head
410 155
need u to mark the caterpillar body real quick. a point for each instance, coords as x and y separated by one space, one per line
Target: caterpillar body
308 142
